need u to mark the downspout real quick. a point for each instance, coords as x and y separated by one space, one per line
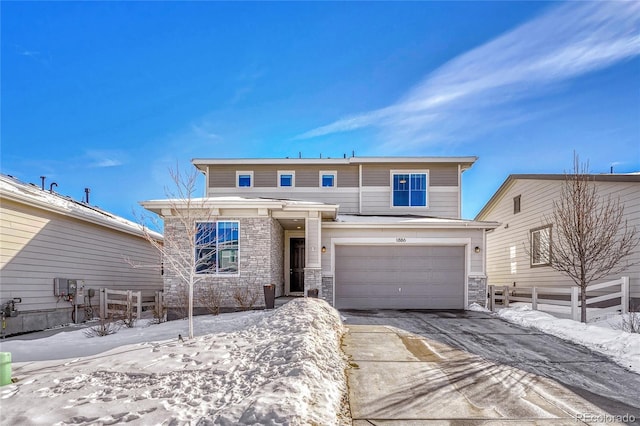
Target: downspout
459 192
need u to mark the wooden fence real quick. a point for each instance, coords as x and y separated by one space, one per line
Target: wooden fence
128 303
501 296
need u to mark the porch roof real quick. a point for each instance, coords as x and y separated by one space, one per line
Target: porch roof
233 202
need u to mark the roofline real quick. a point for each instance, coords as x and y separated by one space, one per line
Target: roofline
201 163
449 225
156 206
34 202
558 177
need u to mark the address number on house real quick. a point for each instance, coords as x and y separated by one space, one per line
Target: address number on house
401 240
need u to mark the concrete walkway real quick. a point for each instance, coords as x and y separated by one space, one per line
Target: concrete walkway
400 378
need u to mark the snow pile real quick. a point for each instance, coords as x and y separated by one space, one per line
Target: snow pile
477 308
621 346
285 369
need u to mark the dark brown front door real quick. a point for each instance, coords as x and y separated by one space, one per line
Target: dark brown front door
296 253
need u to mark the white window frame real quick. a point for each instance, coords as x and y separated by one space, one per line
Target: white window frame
410 172
240 173
333 173
544 256
287 172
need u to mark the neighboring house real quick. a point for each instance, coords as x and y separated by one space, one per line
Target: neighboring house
516 251
49 242
362 232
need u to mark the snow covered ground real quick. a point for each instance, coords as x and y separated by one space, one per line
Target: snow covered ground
269 367
602 334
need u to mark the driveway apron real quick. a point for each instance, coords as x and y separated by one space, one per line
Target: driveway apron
428 368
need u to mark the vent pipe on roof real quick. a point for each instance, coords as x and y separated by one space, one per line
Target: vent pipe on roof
86 193
299 154
353 153
344 155
42 178
51 187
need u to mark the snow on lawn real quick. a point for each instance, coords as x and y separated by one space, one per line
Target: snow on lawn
603 336
281 367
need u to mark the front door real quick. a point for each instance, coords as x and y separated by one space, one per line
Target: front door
296 253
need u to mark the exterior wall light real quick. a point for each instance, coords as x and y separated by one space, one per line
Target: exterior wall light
477 249
324 249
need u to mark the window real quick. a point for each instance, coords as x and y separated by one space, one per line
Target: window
244 179
409 189
516 204
286 179
541 246
217 247
328 179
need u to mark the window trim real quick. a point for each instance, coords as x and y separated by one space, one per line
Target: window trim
244 172
410 172
287 172
517 204
333 173
217 263
547 261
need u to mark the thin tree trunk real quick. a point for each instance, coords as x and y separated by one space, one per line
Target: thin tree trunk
583 302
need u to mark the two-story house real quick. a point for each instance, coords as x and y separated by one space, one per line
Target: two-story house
518 250
364 232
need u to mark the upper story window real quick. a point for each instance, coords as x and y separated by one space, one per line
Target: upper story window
286 179
516 204
541 246
409 189
244 179
217 247
328 179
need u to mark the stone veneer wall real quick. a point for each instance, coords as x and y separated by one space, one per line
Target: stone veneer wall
326 291
477 288
277 257
257 253
313 280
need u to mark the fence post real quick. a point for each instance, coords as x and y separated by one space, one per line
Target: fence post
534 298
103 304
491 295
624 299
505 295
575 312
139 310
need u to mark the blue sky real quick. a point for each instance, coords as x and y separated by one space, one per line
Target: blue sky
109 95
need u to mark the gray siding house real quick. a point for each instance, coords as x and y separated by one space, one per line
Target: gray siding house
520 206
363 232
47 238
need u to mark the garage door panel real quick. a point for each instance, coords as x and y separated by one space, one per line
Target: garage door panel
396 277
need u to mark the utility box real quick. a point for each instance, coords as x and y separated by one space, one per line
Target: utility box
65 287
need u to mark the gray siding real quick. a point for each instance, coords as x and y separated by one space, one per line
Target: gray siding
266 176
507 258
380 174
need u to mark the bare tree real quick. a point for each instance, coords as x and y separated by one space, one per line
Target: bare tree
591 237
190 247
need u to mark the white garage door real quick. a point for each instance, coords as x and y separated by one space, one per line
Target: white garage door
399 277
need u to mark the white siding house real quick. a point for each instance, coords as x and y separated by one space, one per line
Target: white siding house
521 205
45 236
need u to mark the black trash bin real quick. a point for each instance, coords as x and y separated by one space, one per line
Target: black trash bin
312 292
270 296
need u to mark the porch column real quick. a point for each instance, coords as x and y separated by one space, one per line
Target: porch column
313 265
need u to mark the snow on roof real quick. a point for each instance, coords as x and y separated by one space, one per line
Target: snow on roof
14 189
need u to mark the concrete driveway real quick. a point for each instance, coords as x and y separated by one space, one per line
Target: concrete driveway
463 367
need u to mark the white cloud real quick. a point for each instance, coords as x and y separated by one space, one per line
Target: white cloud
105 158
567 41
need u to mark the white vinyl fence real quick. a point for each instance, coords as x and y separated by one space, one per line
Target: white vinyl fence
501 296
